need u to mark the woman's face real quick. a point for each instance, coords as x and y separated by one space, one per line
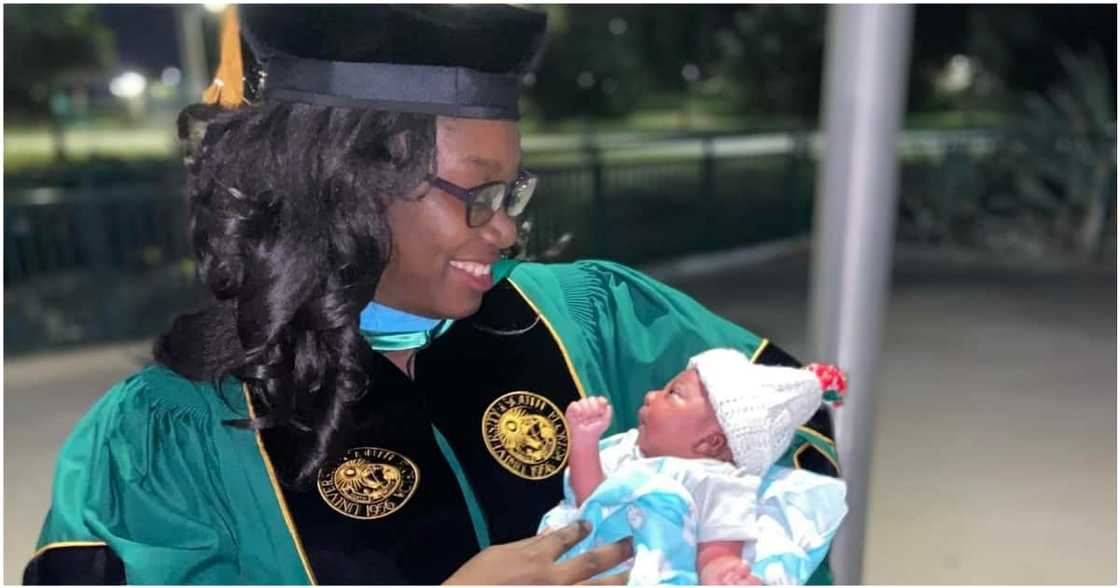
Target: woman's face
440 267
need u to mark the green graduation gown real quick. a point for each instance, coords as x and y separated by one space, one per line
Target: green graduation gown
152 487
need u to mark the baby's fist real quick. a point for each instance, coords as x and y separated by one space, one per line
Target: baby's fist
588 417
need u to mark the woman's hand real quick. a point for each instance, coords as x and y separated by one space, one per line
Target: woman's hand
533 561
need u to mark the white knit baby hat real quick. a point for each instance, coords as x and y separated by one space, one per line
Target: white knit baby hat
758 406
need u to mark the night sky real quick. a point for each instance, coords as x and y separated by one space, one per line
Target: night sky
146 37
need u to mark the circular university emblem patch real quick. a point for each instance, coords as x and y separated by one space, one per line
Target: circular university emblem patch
527 434
368 482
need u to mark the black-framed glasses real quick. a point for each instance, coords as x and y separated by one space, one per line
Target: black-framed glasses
485 200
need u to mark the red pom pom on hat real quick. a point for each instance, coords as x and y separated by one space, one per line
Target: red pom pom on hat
834 382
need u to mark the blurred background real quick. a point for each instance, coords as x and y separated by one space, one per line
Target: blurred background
684 140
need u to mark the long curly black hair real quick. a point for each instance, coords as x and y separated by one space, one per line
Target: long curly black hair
288 222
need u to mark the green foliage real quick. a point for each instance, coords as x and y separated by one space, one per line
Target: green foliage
589 69
1048 185
47 46
941 199
742 59
768 59
1061 153
1011 49
771 58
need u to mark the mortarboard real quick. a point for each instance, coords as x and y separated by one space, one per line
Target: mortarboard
463 61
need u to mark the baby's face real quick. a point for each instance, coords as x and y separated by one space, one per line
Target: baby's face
674 418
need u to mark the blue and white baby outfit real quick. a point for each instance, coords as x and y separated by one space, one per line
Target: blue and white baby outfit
785 517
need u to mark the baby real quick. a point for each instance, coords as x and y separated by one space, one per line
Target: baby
726 421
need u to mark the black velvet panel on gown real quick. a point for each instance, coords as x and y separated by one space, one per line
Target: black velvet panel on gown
495 385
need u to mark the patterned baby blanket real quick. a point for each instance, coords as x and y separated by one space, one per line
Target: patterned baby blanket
797 514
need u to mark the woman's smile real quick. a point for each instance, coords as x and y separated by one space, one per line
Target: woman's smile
441 266
476 275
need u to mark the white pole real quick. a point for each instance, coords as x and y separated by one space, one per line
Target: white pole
192 50
863 100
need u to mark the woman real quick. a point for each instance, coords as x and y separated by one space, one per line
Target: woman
372 395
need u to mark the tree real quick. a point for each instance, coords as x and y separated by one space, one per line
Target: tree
1011 50
606 60
772 57
1063 151
593 65
46 48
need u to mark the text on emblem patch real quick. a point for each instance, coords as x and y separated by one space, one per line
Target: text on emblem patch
368 482
527 434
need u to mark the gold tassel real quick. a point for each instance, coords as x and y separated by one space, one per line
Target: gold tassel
227 90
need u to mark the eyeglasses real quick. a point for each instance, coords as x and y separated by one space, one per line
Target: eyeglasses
486 200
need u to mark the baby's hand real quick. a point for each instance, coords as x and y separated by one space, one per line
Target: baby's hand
728 572
588 418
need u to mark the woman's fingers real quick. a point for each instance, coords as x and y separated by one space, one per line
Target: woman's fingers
561 540
594 561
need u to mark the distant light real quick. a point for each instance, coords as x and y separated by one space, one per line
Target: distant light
529 79
690 72
959 73
586 79
128 85
214 7
617 26
171 76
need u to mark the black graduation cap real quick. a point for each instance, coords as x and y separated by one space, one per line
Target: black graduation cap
463 61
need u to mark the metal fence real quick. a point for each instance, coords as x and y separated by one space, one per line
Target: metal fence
50 230
113 262
646 203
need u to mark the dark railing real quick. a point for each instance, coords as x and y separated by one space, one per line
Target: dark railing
95 264
53 230
636 210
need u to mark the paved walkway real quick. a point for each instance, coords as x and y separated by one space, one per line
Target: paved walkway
995 441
